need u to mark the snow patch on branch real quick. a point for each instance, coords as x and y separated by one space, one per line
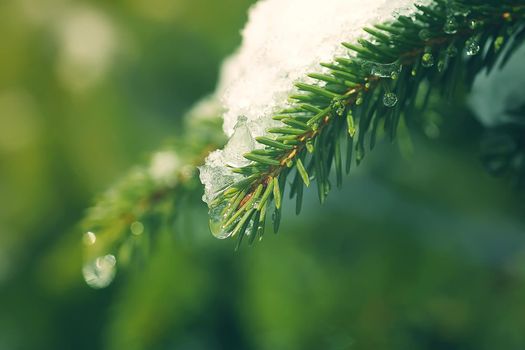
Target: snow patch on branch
282 42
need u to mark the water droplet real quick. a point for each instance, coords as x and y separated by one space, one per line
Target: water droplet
424 34
442 63
459 10
339 107
137 228
451 25
100 272
310 147
390 99
386 70
359 155
89 238
249 228
475 24
394 75
217 217
472 47
427 60
327 188
359 100
498 43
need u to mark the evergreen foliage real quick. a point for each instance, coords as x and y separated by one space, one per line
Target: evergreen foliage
131 213
363 97
383 85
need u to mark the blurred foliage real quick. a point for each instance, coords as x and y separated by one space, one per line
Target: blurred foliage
420 251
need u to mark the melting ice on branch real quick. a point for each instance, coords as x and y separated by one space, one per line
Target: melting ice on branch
282 42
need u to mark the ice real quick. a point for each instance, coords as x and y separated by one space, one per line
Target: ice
240 142
100 272
163 167
282 42
216 173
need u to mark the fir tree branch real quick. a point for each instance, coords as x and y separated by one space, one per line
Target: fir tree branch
445 44
126 218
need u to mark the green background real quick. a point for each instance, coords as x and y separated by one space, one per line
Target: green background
422 249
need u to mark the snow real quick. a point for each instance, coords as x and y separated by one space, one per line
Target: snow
163 167
282 42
